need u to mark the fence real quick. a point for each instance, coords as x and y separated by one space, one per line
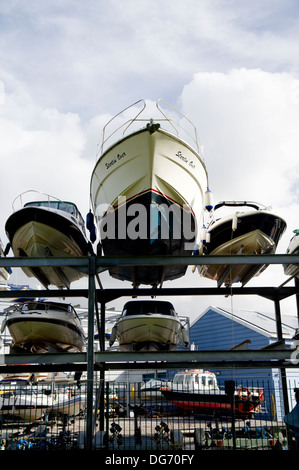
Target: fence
45 416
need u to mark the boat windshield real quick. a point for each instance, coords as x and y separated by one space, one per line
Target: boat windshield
46 306
147 308
68 207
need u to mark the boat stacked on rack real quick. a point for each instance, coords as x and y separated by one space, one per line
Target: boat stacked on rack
43 326
149 325
48 227
293 249
4 271
147 192
253 231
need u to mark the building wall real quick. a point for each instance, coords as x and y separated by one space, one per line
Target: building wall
214 331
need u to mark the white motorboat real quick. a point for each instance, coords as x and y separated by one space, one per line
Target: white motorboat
42 326
148 191
149 325
253 231
5 272
48 227
20 400
293 249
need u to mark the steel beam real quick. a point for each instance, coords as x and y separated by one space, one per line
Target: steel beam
104 262
150 357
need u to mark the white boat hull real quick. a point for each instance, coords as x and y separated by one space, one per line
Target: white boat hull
29 404
24 407
4 272
140 176
41 336
293 249
254 242
37 240
251 233
48 228
39 331
153 332
68 405
143 162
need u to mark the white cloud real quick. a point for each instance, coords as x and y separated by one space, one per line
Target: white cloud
247 121
41 149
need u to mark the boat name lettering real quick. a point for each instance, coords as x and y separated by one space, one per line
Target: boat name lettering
181 157
120 156
114 160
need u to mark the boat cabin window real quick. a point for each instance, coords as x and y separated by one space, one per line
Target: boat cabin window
188 380
68 207
211 380
208 380
46 306
59 205
179 379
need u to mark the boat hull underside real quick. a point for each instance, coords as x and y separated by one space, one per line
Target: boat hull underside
146 334
211 404
4 274
292 269
35 239
37 335
252 243
258 234
153 232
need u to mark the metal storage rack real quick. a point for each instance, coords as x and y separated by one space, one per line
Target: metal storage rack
92 361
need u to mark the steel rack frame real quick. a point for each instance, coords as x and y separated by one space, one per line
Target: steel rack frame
92 361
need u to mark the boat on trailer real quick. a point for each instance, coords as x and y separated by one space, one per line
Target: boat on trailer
149 325
197 391
48 227
252 231
20 400
44 326
147 190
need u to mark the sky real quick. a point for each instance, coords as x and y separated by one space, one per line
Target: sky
231 66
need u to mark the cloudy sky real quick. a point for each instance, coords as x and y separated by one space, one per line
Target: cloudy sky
231 66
